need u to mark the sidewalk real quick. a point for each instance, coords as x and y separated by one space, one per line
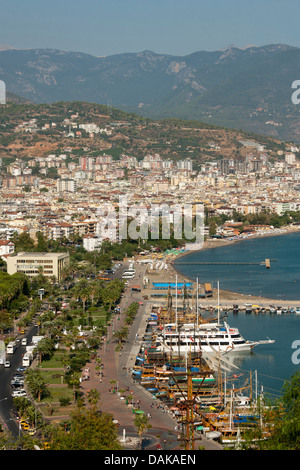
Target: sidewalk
117 367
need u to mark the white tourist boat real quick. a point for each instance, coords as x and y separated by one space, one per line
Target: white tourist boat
210 338
206 337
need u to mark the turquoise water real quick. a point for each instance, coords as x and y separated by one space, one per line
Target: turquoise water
274 363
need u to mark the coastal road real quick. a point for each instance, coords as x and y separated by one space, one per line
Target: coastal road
8 419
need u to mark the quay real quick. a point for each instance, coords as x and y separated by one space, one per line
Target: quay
119 366
267 263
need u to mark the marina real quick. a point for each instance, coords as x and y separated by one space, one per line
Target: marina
210 355
184 363
195 383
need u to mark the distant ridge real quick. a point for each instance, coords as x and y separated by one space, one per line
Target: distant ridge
247 88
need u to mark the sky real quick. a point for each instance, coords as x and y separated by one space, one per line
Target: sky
175 27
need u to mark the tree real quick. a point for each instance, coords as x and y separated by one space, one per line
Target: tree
42 245
121 334
281 420
23 242
142 424
36 383
93 396
88 431
6 321
286 430
45 347
112 292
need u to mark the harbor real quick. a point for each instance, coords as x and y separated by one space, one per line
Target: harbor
188 357
195 380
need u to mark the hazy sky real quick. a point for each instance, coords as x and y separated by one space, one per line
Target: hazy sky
177 27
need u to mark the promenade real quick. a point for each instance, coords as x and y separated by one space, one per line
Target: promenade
115 377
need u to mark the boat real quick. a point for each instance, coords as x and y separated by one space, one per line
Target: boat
206 337
272 309
211 338
235 309
248 308
297 311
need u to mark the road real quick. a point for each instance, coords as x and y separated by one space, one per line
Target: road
6 401
117 367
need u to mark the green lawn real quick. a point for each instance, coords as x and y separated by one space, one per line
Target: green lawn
57 393
53 377
99 316
53 362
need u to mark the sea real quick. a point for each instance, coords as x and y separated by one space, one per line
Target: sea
269 365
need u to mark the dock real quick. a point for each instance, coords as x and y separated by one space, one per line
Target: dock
266 262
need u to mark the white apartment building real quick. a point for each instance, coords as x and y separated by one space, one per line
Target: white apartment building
68 185
92 243
6 248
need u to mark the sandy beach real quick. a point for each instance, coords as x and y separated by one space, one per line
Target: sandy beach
226 297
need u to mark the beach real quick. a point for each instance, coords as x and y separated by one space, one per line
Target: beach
226 298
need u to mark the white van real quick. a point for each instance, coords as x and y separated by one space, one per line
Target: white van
24 342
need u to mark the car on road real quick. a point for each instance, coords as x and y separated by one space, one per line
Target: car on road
19 393
15 383
7 364
21 369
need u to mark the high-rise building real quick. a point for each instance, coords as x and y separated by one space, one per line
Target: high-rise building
68 185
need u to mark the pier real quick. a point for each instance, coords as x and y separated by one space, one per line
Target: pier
266 262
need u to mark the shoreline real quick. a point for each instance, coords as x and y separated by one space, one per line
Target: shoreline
226 295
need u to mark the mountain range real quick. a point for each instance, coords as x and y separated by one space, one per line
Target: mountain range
247 88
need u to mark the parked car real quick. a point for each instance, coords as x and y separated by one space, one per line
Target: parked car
15 383
19 393
7 364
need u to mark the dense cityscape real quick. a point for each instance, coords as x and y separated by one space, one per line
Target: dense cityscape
61 193
85 312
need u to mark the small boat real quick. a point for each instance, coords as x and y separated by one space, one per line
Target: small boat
272 309
248 308
279 311
297 311
235 309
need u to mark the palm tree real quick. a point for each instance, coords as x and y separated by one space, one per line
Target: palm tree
93 397
36 383
121 334
142 424
44 348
